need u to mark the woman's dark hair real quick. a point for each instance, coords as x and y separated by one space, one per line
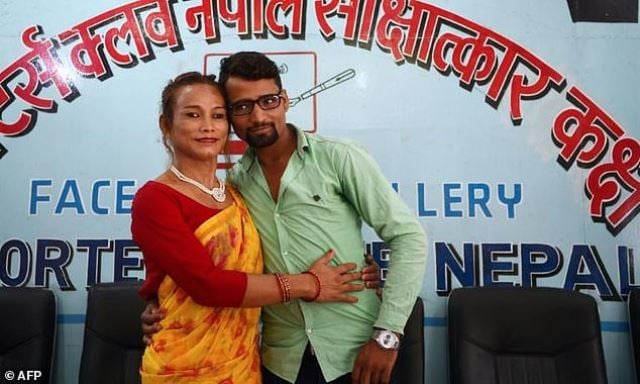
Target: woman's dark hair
187 78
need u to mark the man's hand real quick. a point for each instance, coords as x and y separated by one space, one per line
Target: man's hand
371 273
373 365
151 317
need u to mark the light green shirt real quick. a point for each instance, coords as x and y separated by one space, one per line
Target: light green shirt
328 188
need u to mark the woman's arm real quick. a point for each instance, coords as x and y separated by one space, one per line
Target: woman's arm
325 283
169 245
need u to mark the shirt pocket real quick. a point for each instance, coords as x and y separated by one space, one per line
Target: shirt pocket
305 196
313 198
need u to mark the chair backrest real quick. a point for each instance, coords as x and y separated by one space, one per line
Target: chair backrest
27 331
634 328
524 335
113 345
409 368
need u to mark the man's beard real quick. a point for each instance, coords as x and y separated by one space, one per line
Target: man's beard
261 140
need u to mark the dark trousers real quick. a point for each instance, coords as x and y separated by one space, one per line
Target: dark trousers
309 373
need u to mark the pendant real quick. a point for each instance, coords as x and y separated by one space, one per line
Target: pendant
218 195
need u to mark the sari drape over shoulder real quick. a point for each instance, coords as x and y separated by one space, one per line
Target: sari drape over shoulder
213 345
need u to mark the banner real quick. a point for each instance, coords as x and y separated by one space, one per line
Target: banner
509 129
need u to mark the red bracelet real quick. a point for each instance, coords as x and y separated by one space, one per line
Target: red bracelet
285 287
318 285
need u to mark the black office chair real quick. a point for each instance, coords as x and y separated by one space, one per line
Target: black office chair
409 368
113 346
634 328
524 335
27 331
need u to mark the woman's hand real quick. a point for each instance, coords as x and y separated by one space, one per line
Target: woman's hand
336 281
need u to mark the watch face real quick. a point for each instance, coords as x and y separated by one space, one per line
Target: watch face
386 339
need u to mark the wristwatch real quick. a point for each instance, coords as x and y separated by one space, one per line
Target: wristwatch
387 340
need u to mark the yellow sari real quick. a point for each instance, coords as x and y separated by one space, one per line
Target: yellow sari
213 345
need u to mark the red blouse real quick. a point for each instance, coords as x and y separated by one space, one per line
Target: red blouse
163 222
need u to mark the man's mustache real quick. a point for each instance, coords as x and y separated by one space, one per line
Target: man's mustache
259 126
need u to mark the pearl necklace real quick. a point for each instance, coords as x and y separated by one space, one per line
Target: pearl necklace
216 192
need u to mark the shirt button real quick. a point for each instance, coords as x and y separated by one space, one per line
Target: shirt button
277 215
285 253
309 331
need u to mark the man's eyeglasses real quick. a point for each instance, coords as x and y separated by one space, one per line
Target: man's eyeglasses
245 107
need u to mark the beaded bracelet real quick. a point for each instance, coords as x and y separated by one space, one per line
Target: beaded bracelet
318 285
285 287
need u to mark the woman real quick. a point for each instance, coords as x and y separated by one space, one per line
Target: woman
202 252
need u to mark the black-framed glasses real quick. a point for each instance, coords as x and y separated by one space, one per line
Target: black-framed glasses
245 107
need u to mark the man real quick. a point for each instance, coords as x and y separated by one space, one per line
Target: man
308 194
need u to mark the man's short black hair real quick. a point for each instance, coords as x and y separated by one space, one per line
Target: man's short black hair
249 66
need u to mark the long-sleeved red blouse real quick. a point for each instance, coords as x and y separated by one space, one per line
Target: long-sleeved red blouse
163 225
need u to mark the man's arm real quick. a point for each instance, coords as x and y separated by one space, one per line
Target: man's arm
153 314
370 193
379 205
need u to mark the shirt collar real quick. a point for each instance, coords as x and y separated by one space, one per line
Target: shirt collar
302 145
